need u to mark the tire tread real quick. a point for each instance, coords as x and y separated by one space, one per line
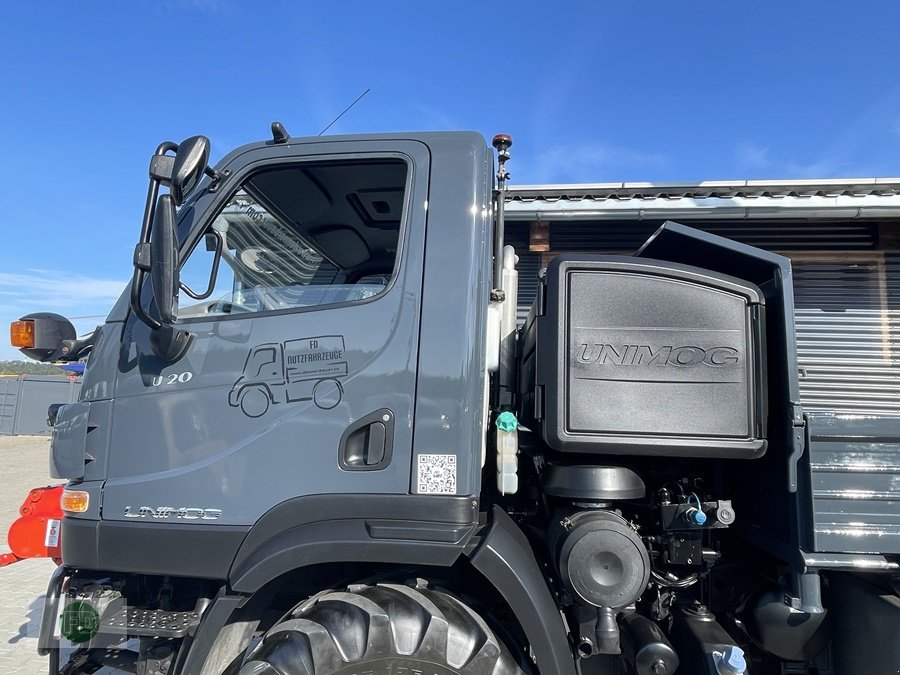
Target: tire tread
374 622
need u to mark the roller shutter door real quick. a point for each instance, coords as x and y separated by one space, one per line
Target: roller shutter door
848 334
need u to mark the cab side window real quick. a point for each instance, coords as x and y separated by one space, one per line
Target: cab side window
299 236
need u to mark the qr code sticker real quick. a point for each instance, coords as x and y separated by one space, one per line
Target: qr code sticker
437 475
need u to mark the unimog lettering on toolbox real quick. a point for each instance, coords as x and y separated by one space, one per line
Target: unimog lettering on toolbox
644 355
183 513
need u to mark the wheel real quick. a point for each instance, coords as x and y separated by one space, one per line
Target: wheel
254 401
381 630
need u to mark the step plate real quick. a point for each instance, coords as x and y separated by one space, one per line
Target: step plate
153 622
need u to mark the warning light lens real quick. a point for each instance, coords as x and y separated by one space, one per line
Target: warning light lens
74 501
21 334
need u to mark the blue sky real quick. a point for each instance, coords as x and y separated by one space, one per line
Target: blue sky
590 91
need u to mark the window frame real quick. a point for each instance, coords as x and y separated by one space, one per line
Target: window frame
191 239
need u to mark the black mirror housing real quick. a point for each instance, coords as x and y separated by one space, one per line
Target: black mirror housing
52 332
164 260
190 162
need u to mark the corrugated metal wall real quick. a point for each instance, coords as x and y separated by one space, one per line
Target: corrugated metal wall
627 236
848 335
529 266
24 401
855 481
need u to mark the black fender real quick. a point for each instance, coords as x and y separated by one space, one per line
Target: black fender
505 558
406 529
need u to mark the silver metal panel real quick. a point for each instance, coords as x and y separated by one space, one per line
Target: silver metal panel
855 479
735 200
775 188
848 334
848 561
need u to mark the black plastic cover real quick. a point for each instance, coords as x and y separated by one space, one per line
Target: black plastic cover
645 357
592 483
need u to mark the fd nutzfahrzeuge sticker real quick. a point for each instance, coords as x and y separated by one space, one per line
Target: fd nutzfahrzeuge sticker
437 475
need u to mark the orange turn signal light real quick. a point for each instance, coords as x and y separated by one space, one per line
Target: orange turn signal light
21 334
74 501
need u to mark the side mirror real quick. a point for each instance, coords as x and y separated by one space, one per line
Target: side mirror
190 163
163 260
157 250
43 336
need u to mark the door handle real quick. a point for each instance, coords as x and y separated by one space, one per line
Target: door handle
367 444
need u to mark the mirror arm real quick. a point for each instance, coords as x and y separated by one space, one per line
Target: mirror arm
72 350
212 274
170 343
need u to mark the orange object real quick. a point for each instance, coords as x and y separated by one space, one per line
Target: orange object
74 501
21 334
36 532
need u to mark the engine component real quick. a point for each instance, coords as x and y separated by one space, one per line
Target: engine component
685 548
784 631
592 483
601 560
731 661
646 646
607 632
693 514
708 648
724 514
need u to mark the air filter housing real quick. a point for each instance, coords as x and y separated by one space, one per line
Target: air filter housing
634 356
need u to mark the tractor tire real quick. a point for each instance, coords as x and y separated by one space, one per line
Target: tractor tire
381 630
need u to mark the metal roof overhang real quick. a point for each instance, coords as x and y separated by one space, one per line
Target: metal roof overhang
833 199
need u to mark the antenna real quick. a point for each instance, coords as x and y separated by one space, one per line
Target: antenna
358 98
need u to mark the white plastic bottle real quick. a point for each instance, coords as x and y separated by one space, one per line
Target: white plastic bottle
507 447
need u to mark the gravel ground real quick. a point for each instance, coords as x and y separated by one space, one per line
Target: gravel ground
22 584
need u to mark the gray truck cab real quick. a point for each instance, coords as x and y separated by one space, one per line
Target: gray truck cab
327 312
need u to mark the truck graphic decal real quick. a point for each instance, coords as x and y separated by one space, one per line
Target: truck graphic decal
306 369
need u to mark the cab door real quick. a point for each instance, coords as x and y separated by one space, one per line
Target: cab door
300 375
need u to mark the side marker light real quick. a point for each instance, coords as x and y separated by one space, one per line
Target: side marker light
21 334
74 501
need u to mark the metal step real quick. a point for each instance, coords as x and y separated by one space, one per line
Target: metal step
150 622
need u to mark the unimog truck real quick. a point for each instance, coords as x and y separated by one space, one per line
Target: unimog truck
314 438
